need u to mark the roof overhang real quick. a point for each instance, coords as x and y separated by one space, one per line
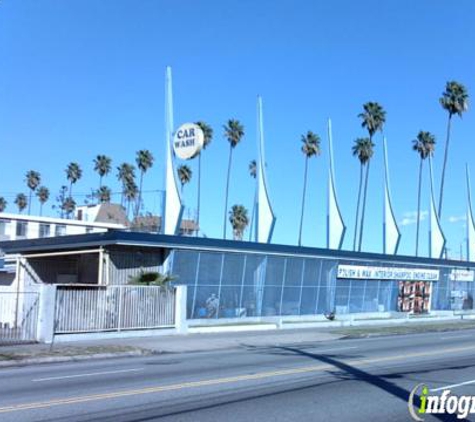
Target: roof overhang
140 240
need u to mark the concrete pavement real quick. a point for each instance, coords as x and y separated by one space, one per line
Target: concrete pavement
163 344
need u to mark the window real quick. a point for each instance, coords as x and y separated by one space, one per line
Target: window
60 230
4 229
45 230
21 228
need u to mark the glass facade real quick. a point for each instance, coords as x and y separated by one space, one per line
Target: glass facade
242 284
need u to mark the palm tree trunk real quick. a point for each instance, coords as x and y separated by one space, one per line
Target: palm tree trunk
303 200
70 189
446 153
227 191
199 195
29 202
358 206
41 209
363 208
139 199
419 207
100 186
252 216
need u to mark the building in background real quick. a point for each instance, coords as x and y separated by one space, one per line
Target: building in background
20 226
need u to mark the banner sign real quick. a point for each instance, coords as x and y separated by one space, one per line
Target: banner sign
462 275
362 272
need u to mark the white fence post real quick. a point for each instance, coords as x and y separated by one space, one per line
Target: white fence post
46 313
119 319
180 309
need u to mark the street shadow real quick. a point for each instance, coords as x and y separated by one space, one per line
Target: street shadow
360 375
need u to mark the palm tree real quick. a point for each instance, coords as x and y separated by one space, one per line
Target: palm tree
21 202
60 199
310 148
33 180
363 149
68 206
424 145
125 175
239 220
184 174
253 173
253 169
455 100
103 194
208 136
3 204
144 160
43 195
233 131
102 165
73 174
373 119
131 191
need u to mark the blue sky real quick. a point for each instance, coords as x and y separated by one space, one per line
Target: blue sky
81 78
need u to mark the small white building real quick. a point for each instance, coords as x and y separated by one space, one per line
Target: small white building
19 226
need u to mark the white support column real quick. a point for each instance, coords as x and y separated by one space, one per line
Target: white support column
100 275
180 309
13 229
107 267
46 313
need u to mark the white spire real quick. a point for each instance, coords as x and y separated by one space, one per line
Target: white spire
470 222
265 219
173 207
391 234
336 228
436 236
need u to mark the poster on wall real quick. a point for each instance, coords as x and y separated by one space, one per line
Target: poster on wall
414 296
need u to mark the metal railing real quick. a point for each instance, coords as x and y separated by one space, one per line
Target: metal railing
18 317
81 309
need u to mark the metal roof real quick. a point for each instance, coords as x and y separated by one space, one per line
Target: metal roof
159 241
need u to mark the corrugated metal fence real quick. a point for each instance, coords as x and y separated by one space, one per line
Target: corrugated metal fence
18 317
113 308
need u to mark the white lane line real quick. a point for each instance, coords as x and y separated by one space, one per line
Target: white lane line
335 349
92 374
456 337
446 387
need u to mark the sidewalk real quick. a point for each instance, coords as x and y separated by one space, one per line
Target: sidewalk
37 353
16 355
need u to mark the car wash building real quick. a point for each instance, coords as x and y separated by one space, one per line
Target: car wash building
231 279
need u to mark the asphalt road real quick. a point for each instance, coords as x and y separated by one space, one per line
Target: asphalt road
344 380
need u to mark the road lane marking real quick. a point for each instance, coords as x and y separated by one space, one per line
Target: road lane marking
91 374
226 380
456 337
335 349
460 384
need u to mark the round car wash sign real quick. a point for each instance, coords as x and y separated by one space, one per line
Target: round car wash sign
188 141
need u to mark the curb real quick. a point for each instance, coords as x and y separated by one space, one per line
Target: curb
57 359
